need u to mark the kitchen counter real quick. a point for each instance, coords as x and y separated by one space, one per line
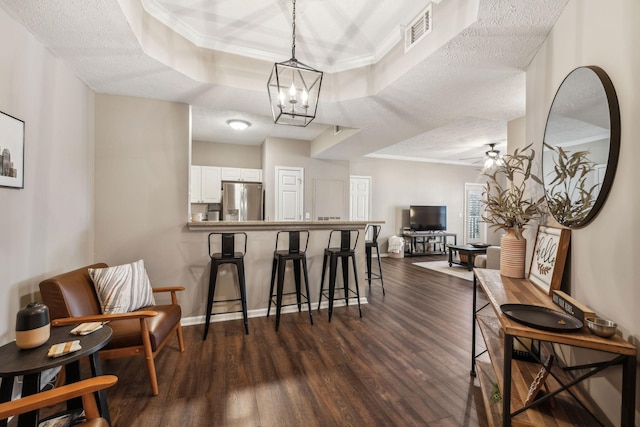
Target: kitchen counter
276 225
261 239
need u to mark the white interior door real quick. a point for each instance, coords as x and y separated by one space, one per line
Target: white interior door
289 193
360 198
475 230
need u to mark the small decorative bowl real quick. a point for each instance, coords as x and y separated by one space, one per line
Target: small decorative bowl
601 327
480 245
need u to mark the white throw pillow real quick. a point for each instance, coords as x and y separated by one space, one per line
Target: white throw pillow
122 288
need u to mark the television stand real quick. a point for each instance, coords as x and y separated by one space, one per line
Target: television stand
419 243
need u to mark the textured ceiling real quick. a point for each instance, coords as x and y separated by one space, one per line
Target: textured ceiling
443 101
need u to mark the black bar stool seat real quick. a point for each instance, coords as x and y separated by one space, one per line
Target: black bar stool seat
332 254
369 245
227 255
298 258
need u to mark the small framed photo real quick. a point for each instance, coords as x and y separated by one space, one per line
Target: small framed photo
549 256
11 151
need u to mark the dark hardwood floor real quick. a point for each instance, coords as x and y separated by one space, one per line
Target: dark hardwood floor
405 363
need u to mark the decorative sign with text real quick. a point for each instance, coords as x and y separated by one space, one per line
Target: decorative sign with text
549 256
571 306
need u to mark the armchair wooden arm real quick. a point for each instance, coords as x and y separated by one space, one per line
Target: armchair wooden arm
83 389
169 289
65 321
172 289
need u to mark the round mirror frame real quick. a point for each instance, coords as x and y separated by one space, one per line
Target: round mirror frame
614 143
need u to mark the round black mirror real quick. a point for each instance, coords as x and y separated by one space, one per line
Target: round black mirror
581 146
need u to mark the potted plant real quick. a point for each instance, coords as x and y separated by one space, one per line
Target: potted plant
510 205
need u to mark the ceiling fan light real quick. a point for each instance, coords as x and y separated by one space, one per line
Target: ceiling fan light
489 163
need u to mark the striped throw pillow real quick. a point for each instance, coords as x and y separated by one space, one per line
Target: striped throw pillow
122 288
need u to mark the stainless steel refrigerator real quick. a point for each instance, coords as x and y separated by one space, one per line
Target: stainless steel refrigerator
242 201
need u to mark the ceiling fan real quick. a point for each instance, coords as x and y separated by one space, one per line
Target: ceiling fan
492 153
491 157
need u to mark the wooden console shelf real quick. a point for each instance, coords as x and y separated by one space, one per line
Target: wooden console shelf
514 377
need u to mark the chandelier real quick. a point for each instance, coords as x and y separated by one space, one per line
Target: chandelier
493 159
294 88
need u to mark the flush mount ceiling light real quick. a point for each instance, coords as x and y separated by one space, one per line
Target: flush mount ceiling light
294 89
238 124
493 158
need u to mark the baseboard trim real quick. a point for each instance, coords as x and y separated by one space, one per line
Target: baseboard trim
262 312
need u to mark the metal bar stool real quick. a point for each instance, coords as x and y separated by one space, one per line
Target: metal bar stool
298 258
227 255
331 255
369 245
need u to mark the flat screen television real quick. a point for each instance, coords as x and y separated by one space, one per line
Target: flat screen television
428 218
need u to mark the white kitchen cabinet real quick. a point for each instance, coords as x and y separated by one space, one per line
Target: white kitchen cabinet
206 184
230 174
252 175
195 189
241 174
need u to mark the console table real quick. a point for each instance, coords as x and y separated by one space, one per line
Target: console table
514 377
415 239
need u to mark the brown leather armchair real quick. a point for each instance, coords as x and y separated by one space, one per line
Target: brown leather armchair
83 389
72 299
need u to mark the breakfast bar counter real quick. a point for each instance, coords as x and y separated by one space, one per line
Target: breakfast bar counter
277 225
261 240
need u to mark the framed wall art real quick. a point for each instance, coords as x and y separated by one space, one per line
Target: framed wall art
11 151
549 256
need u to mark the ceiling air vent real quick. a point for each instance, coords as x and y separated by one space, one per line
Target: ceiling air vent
418 29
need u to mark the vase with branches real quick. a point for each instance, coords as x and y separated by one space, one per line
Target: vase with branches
510 203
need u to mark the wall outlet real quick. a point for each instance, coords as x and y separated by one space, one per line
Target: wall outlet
307 215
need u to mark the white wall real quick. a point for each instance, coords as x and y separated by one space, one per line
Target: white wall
604 254
47 227
397 184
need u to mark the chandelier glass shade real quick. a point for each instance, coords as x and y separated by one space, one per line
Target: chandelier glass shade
294 89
